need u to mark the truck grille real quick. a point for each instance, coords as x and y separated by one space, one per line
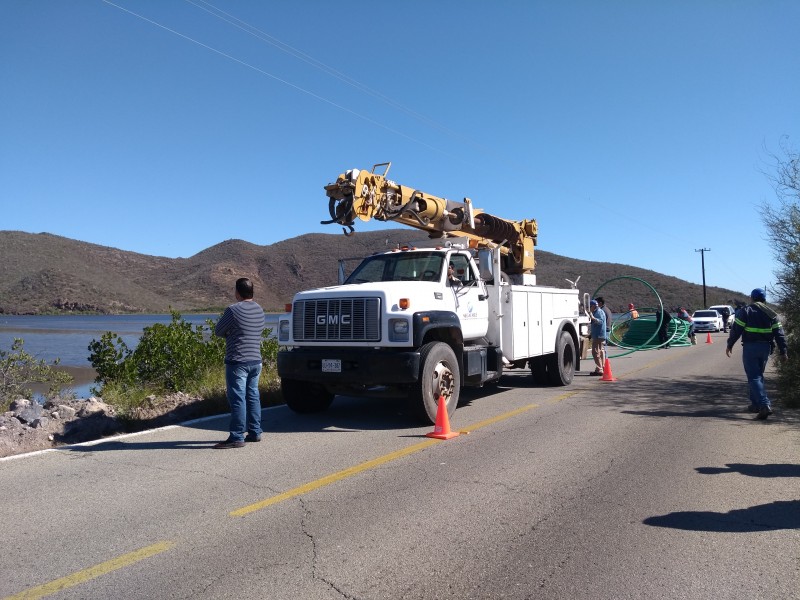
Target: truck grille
345 319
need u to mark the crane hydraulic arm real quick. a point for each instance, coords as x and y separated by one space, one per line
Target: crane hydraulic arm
370 195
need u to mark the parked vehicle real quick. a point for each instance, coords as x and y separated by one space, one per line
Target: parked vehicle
403 325
707 320
727 312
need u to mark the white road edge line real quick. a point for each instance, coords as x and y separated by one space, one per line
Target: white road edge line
123 436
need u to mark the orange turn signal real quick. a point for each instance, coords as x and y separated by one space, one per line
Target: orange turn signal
404 303
287 308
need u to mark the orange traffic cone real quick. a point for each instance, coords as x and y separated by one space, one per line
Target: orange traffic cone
708 338
441 430
607 374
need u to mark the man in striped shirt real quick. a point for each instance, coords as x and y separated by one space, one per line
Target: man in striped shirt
241 325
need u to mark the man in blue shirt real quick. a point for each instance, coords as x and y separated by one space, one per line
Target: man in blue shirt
597 331
241 325
759 328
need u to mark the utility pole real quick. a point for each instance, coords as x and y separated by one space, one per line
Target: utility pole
702 252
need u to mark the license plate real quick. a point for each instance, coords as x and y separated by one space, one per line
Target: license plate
331 365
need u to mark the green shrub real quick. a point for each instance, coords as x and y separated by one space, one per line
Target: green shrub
782 221
170 358
18 370
109 358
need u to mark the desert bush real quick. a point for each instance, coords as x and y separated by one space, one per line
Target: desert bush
170 358
783 226
18 370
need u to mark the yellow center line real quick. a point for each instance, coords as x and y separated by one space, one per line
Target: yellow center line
334 477
376 462
92 572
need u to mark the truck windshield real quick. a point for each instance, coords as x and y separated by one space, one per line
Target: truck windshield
405 266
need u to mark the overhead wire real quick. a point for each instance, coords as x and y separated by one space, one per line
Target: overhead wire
318 64
272 40
279 79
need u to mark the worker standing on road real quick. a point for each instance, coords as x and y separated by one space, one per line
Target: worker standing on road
760 330
597 330
609 317
684 315
241 325
662 319
726 313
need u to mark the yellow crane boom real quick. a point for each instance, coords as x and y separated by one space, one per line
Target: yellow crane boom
369 195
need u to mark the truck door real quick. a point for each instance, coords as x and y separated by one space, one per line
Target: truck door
467 290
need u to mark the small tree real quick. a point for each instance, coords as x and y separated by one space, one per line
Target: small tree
18 370
783 224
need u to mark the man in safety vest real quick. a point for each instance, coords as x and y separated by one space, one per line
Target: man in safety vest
760 330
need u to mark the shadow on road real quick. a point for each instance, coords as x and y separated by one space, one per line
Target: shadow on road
764 517
775 470
137 445
709 397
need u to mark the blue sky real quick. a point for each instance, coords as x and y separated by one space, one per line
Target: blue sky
633 132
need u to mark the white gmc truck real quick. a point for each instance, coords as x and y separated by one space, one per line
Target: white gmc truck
402 325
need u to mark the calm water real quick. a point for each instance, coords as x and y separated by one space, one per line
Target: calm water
67 337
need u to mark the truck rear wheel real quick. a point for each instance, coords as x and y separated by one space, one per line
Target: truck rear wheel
561 364
305 396
439 376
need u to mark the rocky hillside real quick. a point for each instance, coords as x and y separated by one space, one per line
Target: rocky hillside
44 273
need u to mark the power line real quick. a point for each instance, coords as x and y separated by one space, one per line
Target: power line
279 79
318 64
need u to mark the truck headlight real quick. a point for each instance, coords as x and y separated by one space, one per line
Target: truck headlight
398 330
283 331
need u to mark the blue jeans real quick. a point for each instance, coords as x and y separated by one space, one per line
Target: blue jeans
754 358
242 387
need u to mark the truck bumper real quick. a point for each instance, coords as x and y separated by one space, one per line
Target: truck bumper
359 366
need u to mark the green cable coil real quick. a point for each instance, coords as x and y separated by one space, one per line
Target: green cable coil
631 334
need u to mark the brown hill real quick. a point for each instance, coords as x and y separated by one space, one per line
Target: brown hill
44 273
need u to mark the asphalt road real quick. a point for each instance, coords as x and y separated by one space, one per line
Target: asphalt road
656 485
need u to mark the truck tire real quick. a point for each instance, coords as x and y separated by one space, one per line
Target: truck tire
561 364
439 376
304 396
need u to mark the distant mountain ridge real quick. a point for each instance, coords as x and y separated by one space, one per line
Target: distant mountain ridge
44 273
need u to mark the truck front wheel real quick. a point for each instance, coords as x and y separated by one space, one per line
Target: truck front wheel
561 364
439 376
305 396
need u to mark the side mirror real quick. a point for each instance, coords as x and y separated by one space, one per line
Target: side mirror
485 264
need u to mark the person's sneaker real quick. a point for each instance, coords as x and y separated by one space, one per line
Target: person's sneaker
763 413
596 373
752 408
252 438
229 443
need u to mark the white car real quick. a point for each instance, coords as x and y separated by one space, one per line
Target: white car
722 309
707 320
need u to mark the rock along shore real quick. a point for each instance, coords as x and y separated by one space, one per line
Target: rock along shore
29 426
